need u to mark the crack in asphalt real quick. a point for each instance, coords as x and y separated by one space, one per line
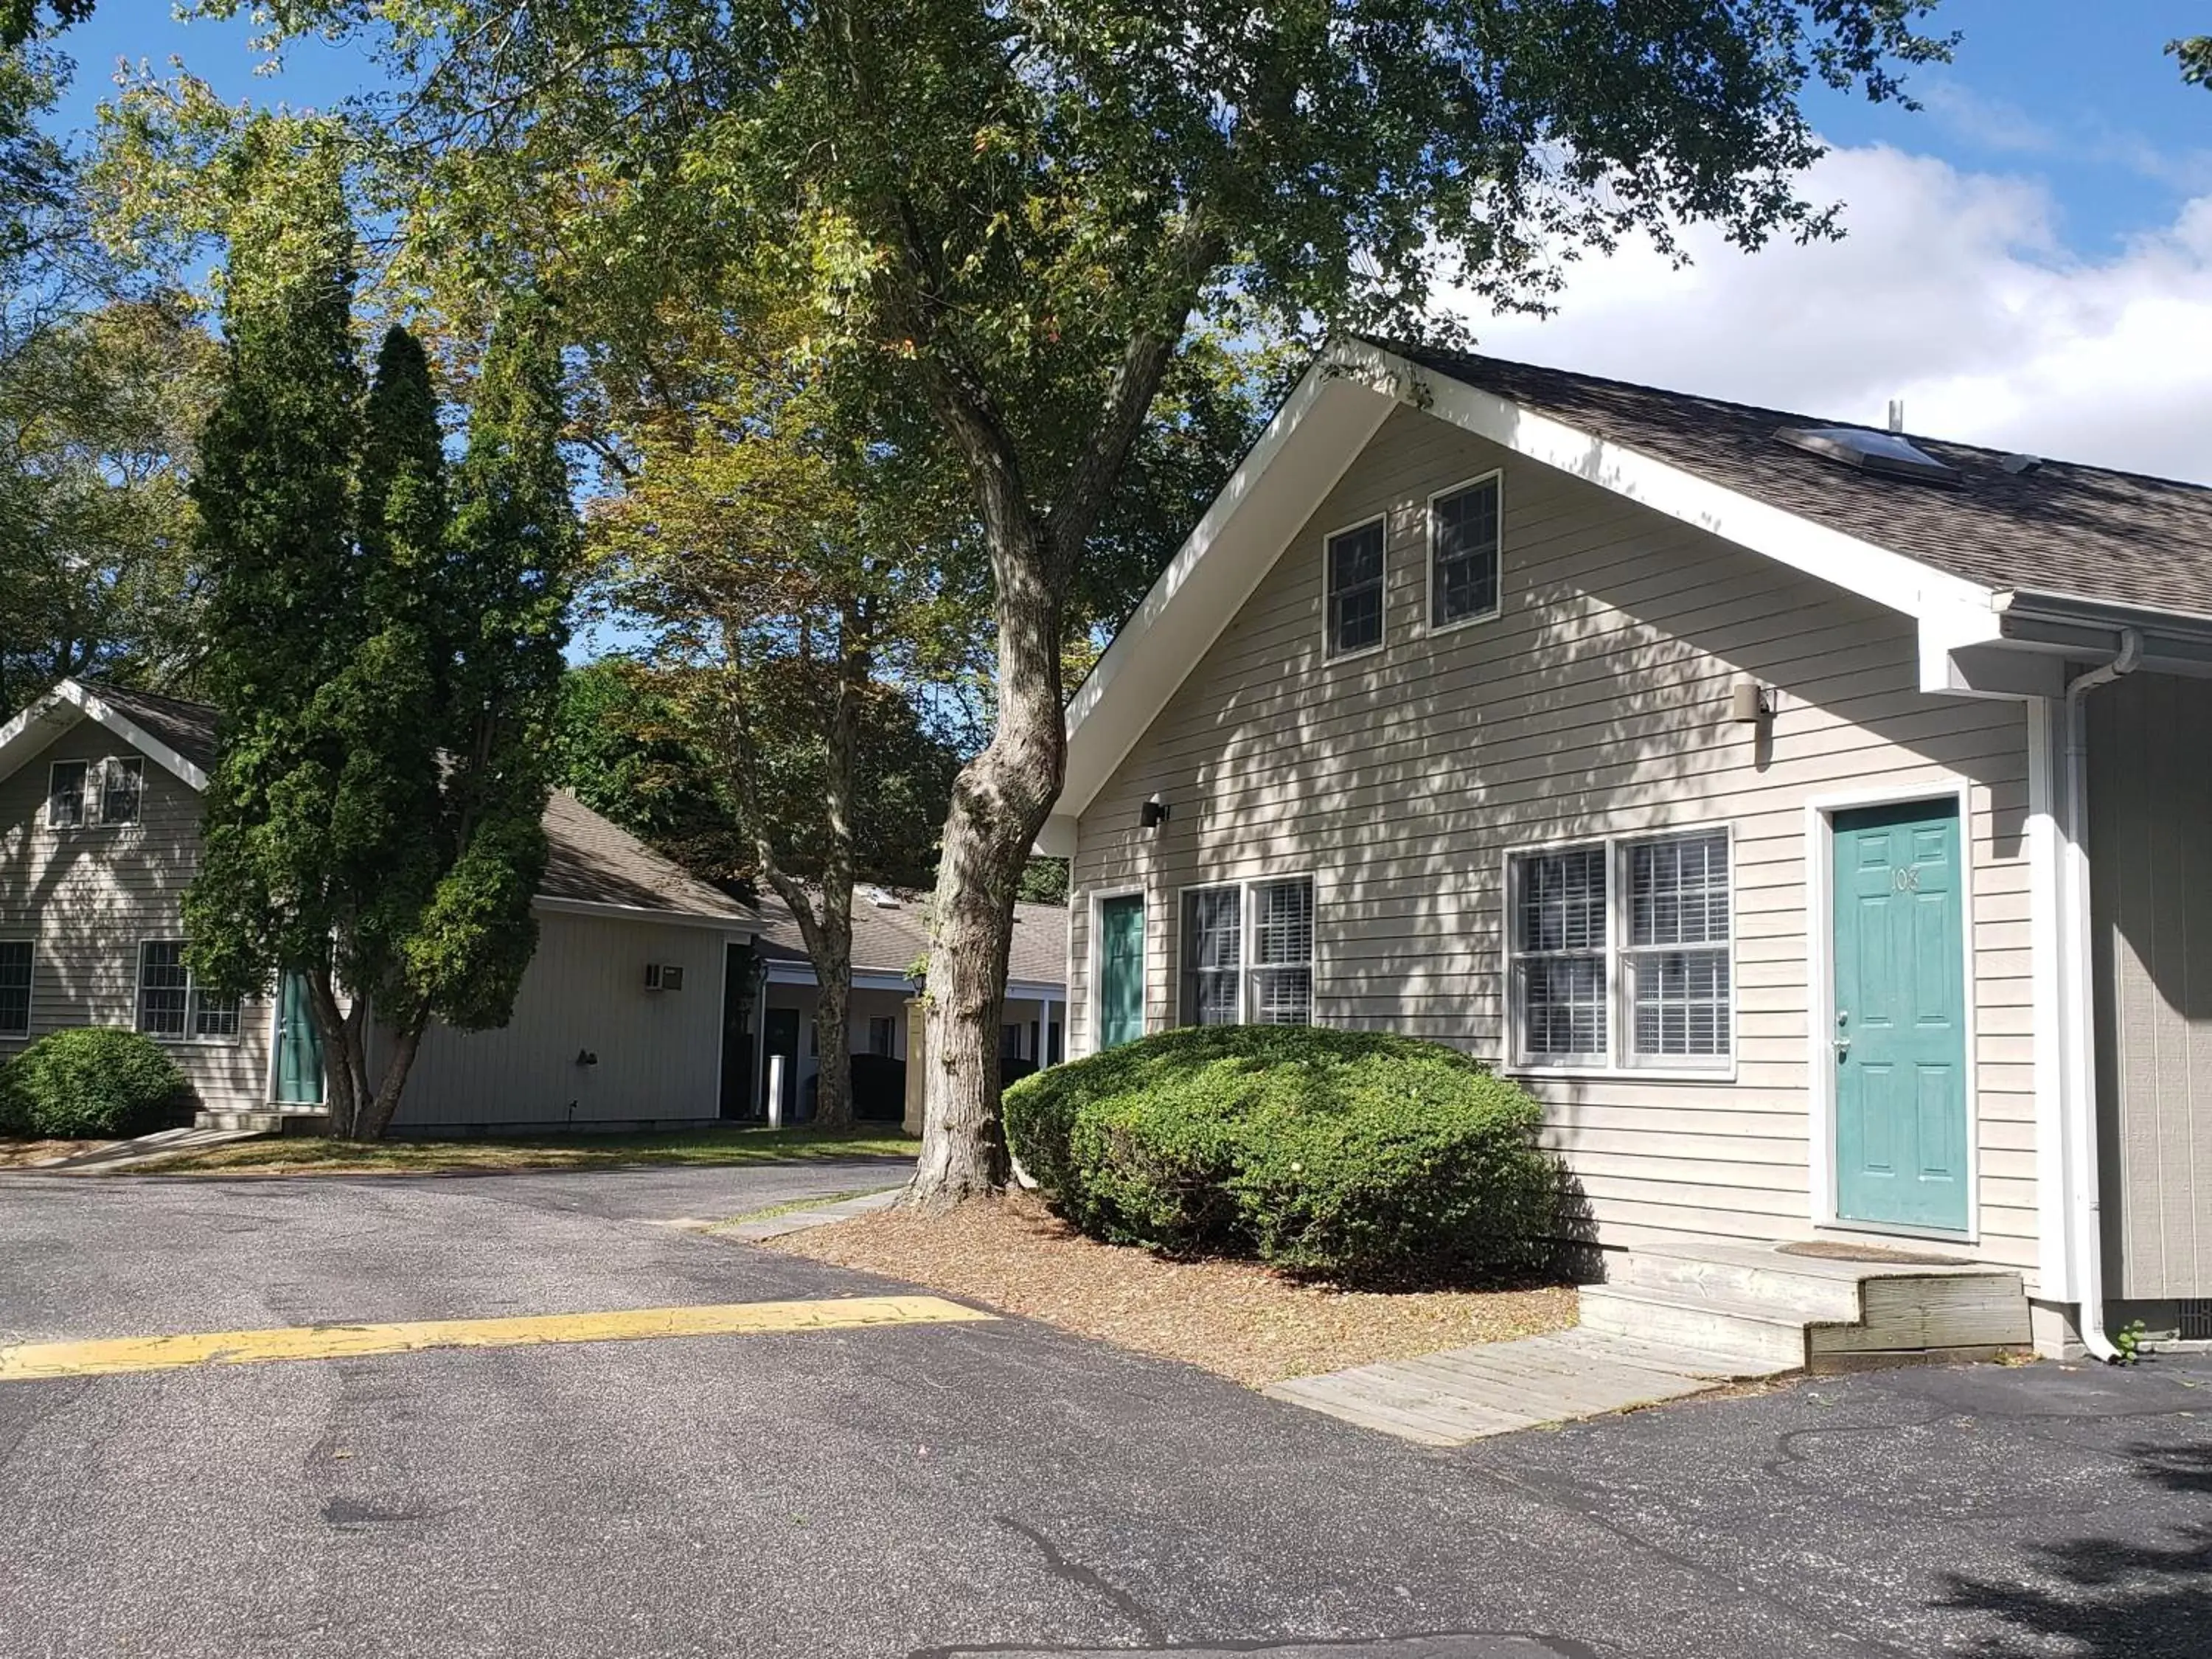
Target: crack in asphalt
1074 1572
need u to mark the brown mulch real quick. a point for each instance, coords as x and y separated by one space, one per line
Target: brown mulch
13 1154
1247 1322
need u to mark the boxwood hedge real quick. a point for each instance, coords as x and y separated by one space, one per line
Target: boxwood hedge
1356 1156
92 1083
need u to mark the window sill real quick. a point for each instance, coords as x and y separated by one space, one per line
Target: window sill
1458 622
1375 650
173 1041
1608 1073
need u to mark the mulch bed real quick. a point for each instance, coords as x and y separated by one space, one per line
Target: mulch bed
1244 1321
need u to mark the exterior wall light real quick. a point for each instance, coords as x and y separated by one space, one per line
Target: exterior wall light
1153 814
1750 702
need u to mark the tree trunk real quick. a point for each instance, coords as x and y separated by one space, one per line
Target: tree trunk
1000 802
406 1043
346 1089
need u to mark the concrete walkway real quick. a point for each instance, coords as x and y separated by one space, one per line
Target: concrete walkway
798 1221
1462 1394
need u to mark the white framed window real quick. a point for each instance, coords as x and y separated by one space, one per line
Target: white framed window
882 1035
1620 954
65 786
16 959
1353 582
95 793
1465 535
174 1005
1247 953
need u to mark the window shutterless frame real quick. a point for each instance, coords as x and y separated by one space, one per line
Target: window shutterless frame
14 948
69 793
1617 1059
1249 967
1434 521
1380 523
106 794
193 1009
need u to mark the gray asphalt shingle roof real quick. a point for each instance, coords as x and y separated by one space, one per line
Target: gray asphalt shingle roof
588 859
887 940
2086 532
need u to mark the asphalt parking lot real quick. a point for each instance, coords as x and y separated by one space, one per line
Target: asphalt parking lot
991 1486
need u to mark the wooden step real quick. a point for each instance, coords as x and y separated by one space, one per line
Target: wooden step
1729 1329
1764 1278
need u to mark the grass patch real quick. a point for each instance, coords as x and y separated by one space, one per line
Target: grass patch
317 1155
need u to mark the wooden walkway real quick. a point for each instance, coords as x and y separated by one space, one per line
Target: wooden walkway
1451 1398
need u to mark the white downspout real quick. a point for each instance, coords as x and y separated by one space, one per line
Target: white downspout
2078 1008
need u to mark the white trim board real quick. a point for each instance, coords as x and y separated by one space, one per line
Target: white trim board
38 726
1821 997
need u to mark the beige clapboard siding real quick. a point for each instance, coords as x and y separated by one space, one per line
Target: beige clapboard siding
659 1052
87 898
1595 703
2150 850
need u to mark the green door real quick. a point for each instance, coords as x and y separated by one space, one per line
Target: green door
1900 1018
1120 970
299 1047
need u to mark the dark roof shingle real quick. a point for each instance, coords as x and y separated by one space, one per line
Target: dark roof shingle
887 940
2085 532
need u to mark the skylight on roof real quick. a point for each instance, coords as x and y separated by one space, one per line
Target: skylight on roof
1889 453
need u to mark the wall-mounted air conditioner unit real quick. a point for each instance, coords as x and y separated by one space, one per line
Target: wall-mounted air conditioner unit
663 976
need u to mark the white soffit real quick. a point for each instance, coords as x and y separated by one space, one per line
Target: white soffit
30 732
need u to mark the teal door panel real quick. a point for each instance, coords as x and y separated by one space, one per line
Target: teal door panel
1899 1019
299 1047
1120 970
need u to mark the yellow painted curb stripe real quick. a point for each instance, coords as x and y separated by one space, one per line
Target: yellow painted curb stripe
30 1360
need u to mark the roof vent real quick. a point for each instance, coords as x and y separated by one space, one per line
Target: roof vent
1886 452
2018 465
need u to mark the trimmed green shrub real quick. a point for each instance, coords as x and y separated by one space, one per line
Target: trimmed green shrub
1357 1155
97 1082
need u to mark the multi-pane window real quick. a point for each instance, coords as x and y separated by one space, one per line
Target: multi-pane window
882 1035
1248 954
1463 538
14 987
1010 1042
65 794
123 780
1212 956
1282 953
172 1003
1620 953
1355 589
84 793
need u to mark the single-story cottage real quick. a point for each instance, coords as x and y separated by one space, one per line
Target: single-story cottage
654 999
1817 819
891 937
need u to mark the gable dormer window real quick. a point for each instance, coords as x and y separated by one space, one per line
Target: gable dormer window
1463 554
1355 590
92 794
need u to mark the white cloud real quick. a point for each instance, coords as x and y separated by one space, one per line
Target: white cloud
1953 290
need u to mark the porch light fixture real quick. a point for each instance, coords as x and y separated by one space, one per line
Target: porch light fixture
1153 814
1750 702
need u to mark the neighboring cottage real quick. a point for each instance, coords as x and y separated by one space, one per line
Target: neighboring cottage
1818 820
624 1018
653 999
890 936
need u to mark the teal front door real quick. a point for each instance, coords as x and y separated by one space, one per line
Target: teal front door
1899 1019
1120 970
299 1047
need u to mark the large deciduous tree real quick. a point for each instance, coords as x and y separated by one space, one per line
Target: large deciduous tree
1013 213
385 663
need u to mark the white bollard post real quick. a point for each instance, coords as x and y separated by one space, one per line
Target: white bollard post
775 1091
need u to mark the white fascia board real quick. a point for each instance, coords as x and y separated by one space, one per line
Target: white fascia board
1317 433
736 926
45 720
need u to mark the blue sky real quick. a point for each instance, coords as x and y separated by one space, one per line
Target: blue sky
2029 259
